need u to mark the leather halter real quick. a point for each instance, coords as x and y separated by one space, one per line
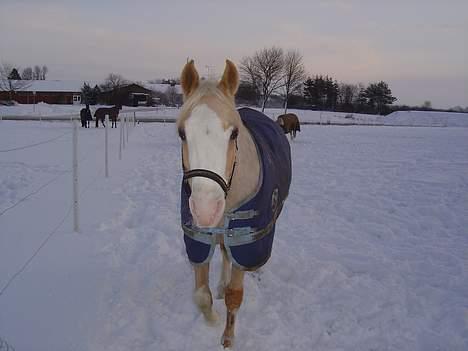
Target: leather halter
205 173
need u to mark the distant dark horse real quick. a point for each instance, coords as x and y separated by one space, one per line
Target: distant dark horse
290 124
85 116
113 113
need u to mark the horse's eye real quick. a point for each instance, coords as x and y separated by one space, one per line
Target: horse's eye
182 134
234 134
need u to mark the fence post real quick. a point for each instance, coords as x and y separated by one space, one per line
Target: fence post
120 139
107 146
123 132
134 118
126 126
76 226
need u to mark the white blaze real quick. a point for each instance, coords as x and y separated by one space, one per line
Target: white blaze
207 144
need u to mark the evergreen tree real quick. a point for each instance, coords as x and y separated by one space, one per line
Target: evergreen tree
314 92
379 95
361 100
321 92
308 91
96 92
14 75
90 95
331 93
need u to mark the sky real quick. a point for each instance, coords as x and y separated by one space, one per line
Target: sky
420 48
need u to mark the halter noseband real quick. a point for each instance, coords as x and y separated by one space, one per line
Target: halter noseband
205 173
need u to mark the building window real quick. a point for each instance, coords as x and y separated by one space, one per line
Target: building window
76 99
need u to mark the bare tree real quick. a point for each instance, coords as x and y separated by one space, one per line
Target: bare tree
8 84
171 95
294 75
250 76
265 71
347 93
37 72
27 73
114 81
44 72
269 66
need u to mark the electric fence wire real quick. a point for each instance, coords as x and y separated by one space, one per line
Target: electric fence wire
49 236
46 240
85 157
33 193
43 243
35 144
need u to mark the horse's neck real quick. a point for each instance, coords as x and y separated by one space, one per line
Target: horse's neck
247 172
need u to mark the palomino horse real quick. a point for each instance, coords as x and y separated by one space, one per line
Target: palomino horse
113 113
290 124
237 172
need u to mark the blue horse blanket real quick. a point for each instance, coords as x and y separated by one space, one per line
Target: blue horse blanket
248 230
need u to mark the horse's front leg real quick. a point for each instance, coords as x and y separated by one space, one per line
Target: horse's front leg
202 294
225 274
233 299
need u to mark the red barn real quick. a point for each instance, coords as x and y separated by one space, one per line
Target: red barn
48 91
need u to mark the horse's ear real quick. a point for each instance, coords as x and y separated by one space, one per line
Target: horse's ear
189 79
230 80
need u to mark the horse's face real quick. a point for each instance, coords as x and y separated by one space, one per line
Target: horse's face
208 128
209 145
280 122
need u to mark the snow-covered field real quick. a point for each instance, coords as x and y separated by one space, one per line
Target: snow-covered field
399 118
371 251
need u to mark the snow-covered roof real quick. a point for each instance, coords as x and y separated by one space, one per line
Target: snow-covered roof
74 86
67 86
161 87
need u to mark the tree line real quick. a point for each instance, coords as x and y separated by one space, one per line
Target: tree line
28 73
11 80
272 73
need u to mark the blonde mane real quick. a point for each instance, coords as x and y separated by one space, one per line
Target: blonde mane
209 93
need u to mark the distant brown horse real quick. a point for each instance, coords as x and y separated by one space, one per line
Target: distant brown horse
290 124
113 113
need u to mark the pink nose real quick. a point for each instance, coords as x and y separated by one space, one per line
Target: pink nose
206 212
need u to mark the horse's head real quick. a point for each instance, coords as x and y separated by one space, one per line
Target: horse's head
208 127
280 121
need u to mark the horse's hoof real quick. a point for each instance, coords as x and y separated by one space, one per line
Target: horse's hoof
227 341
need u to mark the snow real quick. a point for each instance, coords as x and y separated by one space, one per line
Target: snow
162 88
71 86
427 119
399 118
371 251
74 86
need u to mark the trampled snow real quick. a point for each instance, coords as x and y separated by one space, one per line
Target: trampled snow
371 251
